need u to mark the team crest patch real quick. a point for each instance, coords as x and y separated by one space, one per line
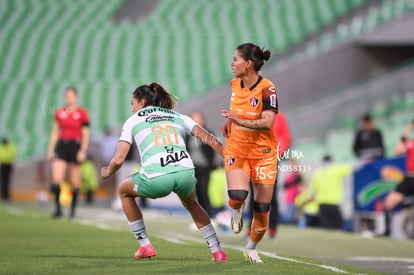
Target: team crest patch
230 160
254 101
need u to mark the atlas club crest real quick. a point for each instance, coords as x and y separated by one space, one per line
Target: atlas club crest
254 101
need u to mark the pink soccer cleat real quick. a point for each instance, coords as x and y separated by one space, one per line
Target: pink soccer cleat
219 256
145 252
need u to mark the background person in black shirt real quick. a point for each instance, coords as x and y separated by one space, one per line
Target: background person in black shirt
204 162
368 143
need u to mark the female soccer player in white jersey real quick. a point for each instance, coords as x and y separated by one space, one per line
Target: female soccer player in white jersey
166 165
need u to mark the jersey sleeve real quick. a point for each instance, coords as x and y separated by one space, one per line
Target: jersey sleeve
269 98
126 133
189 124
85 118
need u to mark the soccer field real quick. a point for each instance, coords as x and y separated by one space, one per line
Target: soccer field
99 242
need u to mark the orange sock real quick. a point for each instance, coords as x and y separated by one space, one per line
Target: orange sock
259 225
235 204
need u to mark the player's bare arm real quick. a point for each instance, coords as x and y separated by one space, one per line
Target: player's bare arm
81 156
117 160
226 128
401 148
206 137
54 135
264 123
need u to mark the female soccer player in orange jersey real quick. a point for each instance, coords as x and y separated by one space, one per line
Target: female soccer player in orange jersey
250 149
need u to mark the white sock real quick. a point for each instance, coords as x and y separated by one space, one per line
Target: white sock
209 234
251 244
139 231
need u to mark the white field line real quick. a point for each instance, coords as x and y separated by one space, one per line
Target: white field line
99 225
171 239
15 211
383 259
268 254
178 239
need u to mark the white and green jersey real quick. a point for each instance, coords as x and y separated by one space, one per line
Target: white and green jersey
159 135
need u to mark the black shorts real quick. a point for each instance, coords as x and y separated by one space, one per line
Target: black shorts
406 187
67 150
330 216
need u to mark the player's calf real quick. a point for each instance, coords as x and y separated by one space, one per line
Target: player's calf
260 220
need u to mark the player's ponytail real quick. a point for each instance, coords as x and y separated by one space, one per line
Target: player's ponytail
266 54
163 98
154 95
258 56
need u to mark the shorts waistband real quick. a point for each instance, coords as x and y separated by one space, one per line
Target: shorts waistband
69 140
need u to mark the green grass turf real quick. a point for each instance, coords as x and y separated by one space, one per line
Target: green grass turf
33 243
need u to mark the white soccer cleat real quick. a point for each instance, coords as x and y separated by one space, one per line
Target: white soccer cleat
237 220
252 256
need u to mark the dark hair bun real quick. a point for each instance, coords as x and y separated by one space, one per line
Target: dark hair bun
266 55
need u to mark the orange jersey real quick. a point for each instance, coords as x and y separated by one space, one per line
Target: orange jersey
249 103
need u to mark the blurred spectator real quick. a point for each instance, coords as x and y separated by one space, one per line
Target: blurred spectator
406 188
89 180
306 208
107 148
282 133
108 144
203 158
129 168
368 143
217 190
291 189
327 190
8 155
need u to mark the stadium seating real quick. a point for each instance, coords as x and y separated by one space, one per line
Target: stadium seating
49 45
388 118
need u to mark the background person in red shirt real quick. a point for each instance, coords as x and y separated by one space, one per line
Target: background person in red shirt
68 147
406 187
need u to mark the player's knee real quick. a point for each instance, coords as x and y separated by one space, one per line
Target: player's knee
392 200
261 207
123 190
237 198
239 194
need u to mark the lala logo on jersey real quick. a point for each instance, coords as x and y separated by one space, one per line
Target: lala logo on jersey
230 160
254 101
173 158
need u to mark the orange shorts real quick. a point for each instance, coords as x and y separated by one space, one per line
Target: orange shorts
263 171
